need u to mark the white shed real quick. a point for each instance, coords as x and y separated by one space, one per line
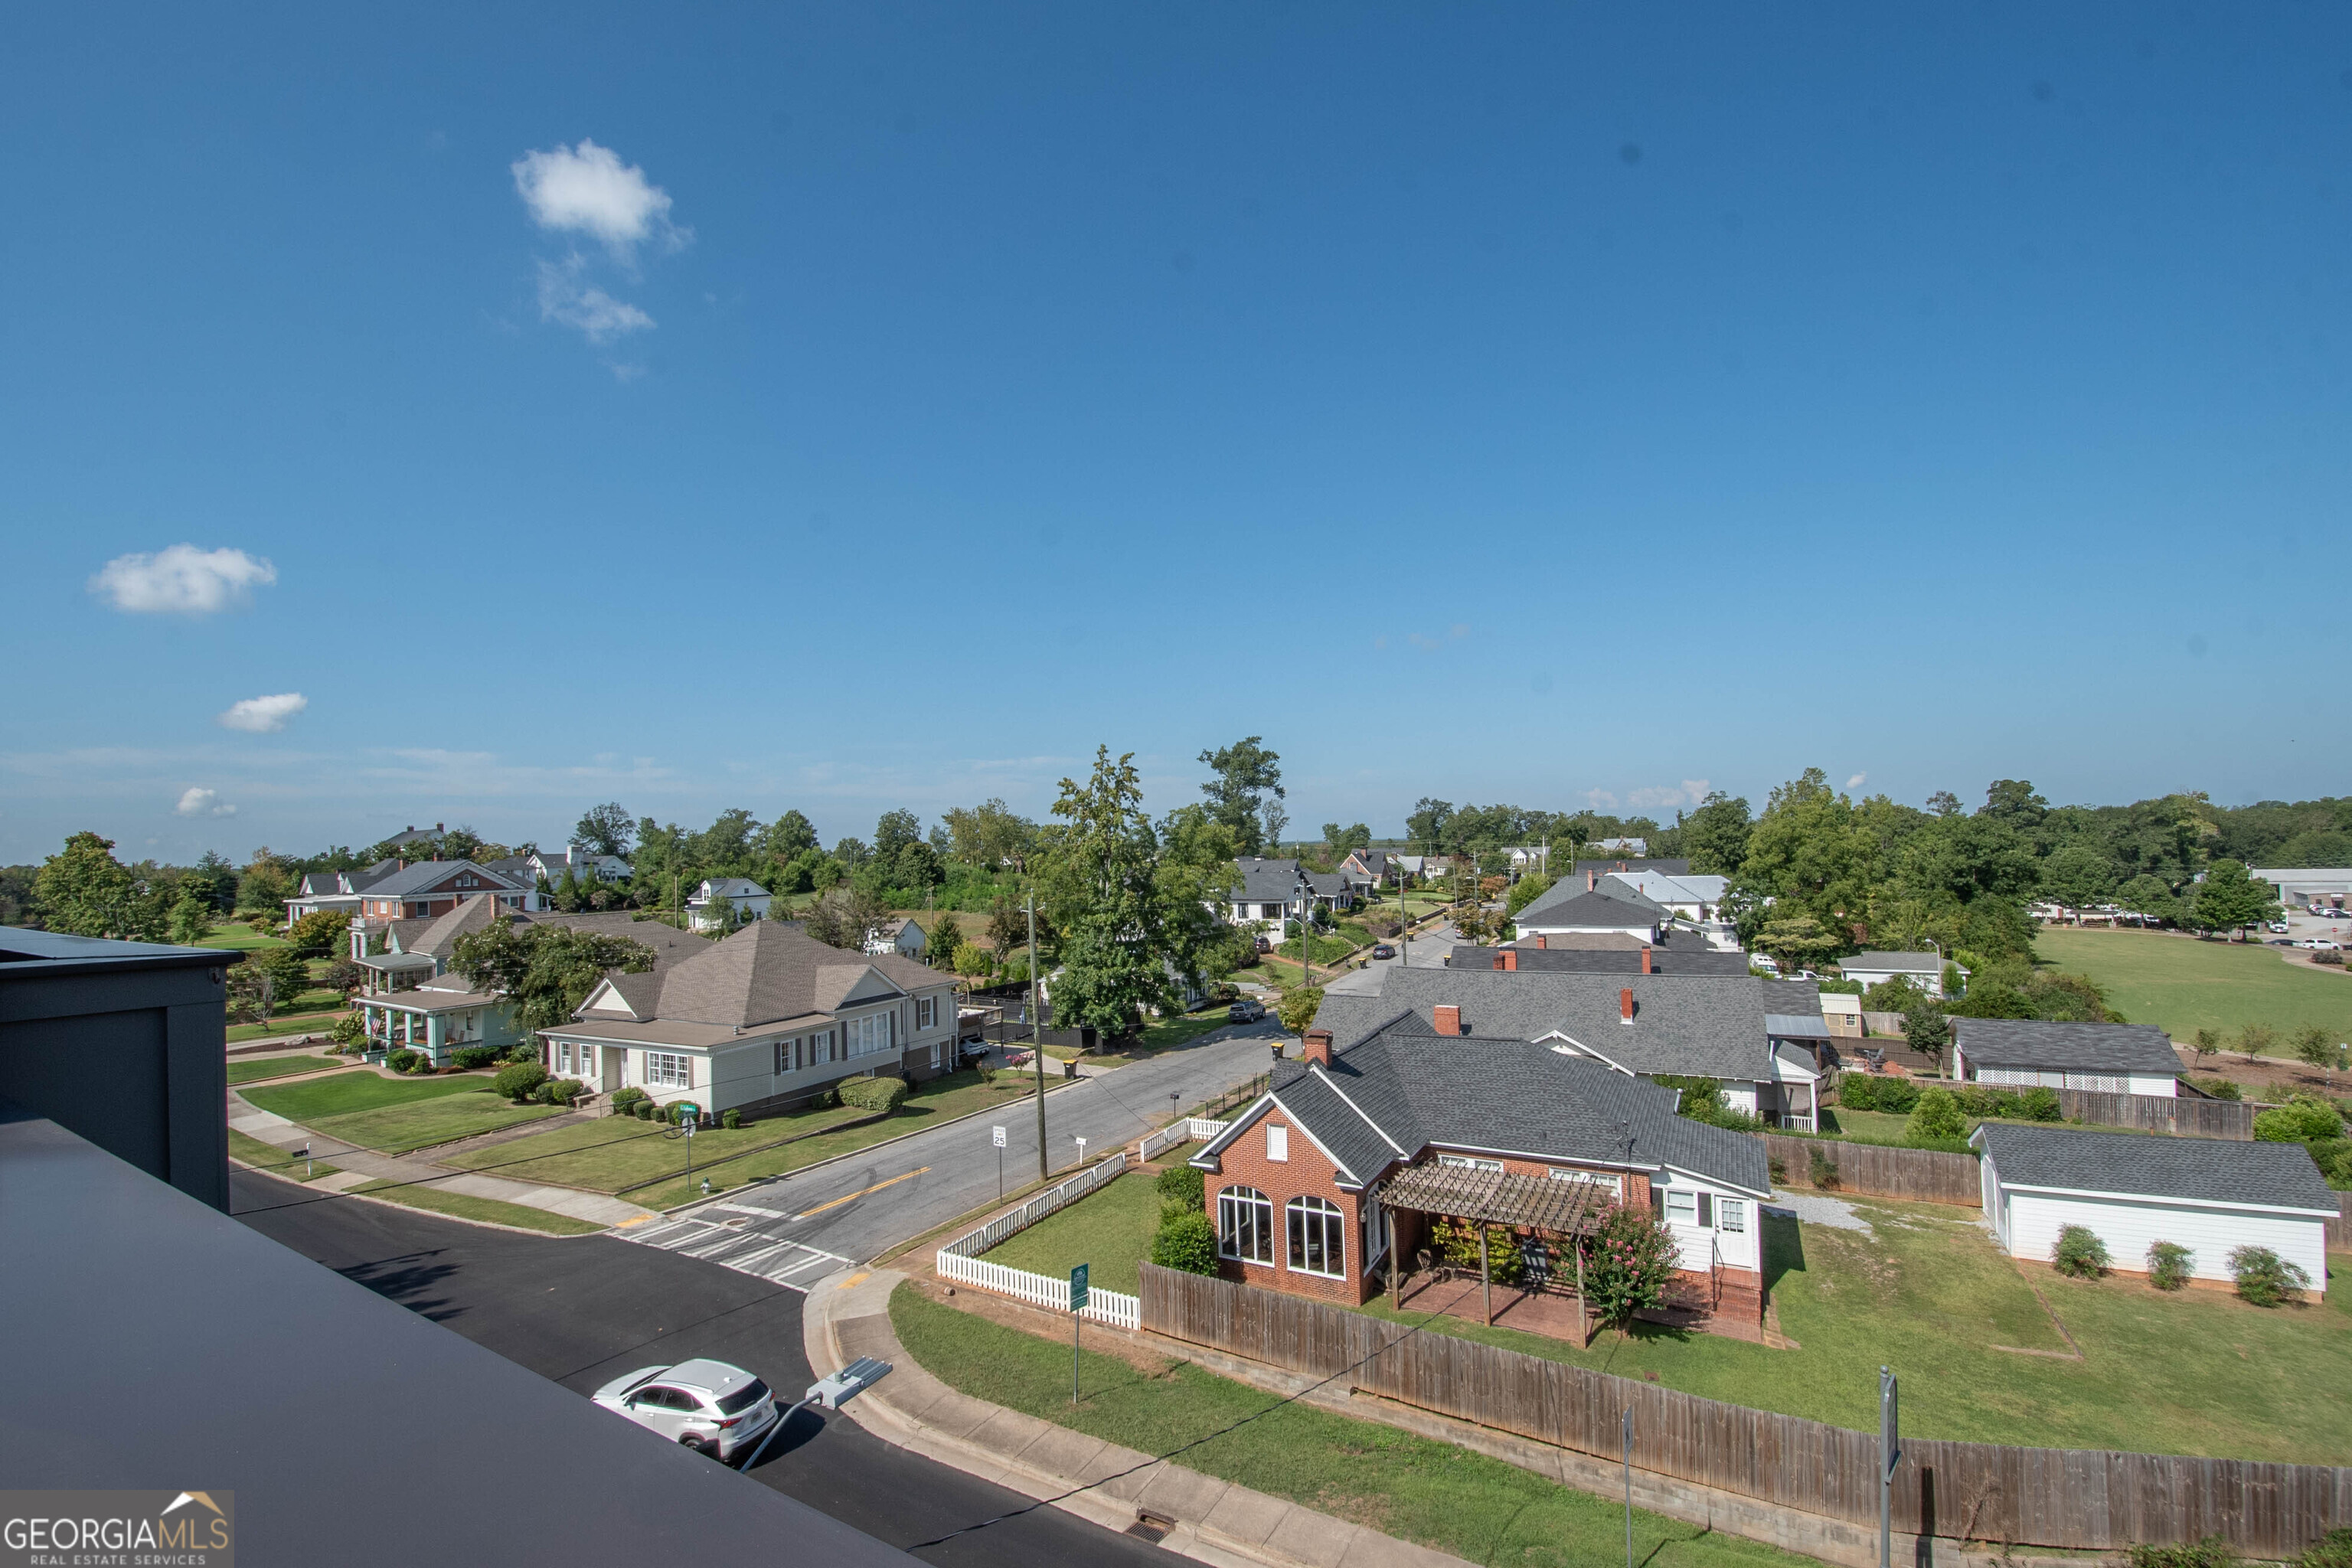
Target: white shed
2132 1189
2026 1053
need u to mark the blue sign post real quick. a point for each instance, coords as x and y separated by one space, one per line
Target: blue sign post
1077 1307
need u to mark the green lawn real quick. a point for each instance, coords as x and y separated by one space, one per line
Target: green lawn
612 1153
465 1205
253 1070
1165 1032
1110 1230
274 1160
1417 1489
394 1115
1930 1297
2181 984
286 1023
238 937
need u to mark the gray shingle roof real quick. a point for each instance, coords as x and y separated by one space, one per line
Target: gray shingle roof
1623 910
768 971
1711 1028
1667 958
1900 962
2065 1048
2207 1170
1411 1088
421 874
1631 863
735 888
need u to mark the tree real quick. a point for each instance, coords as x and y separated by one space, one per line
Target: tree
1008 929
1428 821
942 940
894 832
2151 896
1271 818
1799 941
990 836
971 959
545 970
2313 1048
2206 1043
264 888
192 915
915 866
1526 890
2228 898
320 933
1298 1007
1924 1031
85 891
2077 873
846 917
214 879
1100 880
1248 777
1344 841
1935 1118
787 838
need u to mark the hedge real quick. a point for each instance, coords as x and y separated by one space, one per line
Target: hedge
882 1094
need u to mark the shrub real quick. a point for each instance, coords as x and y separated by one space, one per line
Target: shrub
645 1110
2210 1553
2167 1265
1180 1185
1186 1241
2332 1550
472 1057
1858 1091
1824 1171
1630 1258
404 1060
625 1101
348 1030
563 1090
2303 1116
731 1120
881 1094
1935 1118
1458 1240
519 1081
2080 1253
522 1051
2265 1278
2040 1105
2221 1087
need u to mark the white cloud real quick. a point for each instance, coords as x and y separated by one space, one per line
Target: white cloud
263 715
588 190
182 580
1857 781
1600 799
564 298
1688 793
196 801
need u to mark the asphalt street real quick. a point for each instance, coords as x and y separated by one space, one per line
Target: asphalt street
859 1208
584 1312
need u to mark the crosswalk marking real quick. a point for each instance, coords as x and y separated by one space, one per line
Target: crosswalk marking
761 1257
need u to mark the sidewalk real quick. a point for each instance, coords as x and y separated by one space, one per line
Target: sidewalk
1211 1521
359 1166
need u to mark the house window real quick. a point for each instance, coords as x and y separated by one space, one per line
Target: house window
1277 1142
666 1069
1731 1214
1316 1238
877 1032
563 1058
927 1011
1244 1226
1681 1208
784 1062
1465 1162
1612 1184
1271 912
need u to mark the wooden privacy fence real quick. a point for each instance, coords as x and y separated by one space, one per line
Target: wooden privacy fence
1875 1170
2339 1229
1976 1491
2161 1113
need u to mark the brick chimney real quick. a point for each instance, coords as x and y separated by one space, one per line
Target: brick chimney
1448 1019
1543 943
1591 880
1507 959
1318 1046
1625 1004
1645 962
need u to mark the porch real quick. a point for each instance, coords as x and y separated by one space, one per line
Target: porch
1543 1220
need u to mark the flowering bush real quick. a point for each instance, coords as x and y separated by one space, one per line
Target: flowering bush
1629 1261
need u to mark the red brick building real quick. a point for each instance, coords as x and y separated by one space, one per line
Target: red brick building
1298 1184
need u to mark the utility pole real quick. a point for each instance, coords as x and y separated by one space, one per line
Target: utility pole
1036 1035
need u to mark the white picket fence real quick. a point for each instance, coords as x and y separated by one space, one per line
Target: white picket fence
1115 1308
1201 1127
972 1243
1175 1132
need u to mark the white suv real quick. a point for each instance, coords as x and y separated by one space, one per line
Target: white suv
708 1406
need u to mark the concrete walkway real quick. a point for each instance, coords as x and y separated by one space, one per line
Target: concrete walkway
1212 1521
360 1166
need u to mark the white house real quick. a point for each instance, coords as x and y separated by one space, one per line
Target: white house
901 936
2132 1189
1924 969
1600 912
745 897
2028 1053
1267 893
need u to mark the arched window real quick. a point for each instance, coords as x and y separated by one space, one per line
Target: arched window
1317 1244
1244 1224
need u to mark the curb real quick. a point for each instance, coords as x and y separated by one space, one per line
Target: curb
1184 1500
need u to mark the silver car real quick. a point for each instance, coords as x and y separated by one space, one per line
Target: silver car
708 1406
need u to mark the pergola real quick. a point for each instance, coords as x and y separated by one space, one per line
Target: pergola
1544 1205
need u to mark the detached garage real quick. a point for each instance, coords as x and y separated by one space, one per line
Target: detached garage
2131 1189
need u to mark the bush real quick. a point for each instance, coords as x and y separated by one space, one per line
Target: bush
349 1031
625 1101
1824 1171
2210 1553
2265 1278
882 1094
2167 1265
645 1110
2079 1253
2332 1550
1629 1260
404 1060
519 1081
1458 1240
523 1051
1180 1184
731 1120
1186 1241
2303 1116
1935 1119
2040 1105
472 1057
563 1092
2221 1087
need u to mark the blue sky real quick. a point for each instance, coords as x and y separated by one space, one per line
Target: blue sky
879 406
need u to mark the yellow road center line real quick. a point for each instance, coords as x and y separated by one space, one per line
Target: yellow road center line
852 1197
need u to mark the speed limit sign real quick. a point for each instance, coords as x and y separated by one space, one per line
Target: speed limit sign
996 1136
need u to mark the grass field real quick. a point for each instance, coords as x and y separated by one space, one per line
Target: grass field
1109 1231
237 937
465 1205
1436 1493
1163 1032
613 1152
2181 984
1925 1293
394 1115
286 1023
274 1160
253 1070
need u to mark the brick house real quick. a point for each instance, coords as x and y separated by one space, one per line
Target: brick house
426 889
1316 1186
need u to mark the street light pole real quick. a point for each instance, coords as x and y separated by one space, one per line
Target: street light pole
1036 1035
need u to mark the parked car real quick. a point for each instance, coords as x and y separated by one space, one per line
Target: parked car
2278 928
707 1406
2319 945
1383 949
1245 1011
1262 946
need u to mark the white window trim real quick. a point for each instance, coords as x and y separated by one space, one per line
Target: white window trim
1323 1219
1614 1182
1277 1142
658 1065
1468 1163
1250 1197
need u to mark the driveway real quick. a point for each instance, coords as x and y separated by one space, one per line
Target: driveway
584 1312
